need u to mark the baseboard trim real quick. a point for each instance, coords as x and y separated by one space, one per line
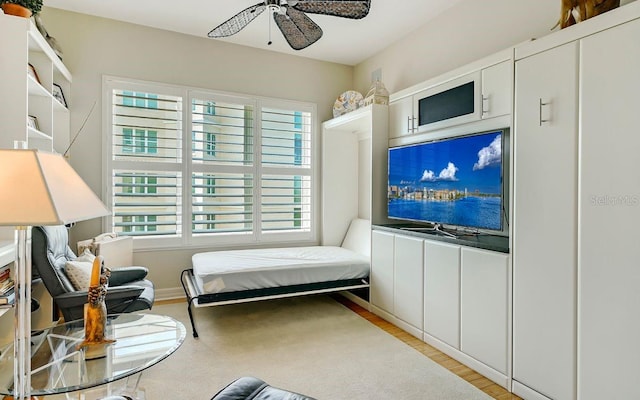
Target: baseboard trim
358 300
469 361
170 294
526 392
412 330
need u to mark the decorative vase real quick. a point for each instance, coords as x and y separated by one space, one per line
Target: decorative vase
16 9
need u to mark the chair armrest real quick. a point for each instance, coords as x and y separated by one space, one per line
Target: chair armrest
124 275
71 299
79 298
123 292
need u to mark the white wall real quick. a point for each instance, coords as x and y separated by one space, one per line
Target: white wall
95 46
468 31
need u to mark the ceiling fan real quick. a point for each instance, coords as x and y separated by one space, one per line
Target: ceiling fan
298 29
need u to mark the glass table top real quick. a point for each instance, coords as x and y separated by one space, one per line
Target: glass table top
59 366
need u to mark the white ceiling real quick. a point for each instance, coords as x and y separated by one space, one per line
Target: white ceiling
345 41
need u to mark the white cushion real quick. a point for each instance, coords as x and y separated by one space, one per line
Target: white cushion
358 237
79 273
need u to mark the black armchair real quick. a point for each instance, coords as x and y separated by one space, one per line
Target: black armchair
128 288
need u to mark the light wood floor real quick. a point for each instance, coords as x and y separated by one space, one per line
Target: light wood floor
489 387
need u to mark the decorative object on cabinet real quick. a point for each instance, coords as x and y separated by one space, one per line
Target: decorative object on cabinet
32 73
32 122
50 39
346 102
59 94
297 28
574 11
21 8
45 190
377 94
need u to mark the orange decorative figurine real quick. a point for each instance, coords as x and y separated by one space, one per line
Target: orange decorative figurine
95 314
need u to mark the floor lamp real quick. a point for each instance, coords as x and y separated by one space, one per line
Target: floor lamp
38 188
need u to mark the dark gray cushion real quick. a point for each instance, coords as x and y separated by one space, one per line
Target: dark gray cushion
249 388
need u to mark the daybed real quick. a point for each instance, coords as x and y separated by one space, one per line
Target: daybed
236 276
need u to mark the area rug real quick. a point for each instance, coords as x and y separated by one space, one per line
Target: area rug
311 345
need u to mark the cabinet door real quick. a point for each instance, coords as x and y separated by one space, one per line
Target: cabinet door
381 289
545 210
609 278
497 82
484 307
408 266
442 292
401 119
452 103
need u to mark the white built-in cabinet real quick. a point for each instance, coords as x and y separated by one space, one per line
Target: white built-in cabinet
407 279
609 214
497 88
382 266
485 307
401 117
454 297
577 207
545 201
492 78
442 292
396 279
24 96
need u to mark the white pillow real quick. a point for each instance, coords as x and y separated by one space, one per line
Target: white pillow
358 237
79 273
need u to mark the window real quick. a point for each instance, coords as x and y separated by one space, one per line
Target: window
248 176
139 141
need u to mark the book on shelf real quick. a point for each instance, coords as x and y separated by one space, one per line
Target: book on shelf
6 286
8 297
5 273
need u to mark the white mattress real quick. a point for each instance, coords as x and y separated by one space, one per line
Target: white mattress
233 270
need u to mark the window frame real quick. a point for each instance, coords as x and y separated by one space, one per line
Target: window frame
185 239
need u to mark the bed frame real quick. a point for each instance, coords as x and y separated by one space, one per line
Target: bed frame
197 299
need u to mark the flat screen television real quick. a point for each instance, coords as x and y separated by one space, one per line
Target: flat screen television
453 182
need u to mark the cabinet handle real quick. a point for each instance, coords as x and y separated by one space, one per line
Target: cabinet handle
485 100
414 127
409 130
540 104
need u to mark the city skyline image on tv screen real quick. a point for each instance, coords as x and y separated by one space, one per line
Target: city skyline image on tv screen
456 181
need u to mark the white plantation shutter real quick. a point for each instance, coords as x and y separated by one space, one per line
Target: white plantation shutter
286 167
223 165
243 174
146 154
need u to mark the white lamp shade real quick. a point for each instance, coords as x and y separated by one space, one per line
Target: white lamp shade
39 188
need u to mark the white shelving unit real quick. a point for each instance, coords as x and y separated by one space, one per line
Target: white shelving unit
25 95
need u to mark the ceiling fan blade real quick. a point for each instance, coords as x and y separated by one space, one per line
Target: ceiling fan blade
299 30
236 23
354 9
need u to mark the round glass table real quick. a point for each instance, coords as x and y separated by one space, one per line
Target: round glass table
59 366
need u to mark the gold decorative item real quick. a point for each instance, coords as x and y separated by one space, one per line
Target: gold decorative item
377 94
95 311
574 11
